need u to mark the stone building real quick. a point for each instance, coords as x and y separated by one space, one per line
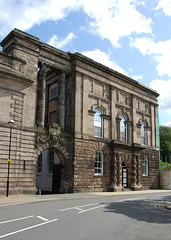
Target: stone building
79 125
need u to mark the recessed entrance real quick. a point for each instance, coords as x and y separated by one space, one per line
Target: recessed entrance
124 176
48 176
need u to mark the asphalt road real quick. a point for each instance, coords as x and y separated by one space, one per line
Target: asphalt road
140 217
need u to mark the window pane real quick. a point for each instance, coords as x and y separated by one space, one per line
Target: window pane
98 123
53 93
143 133
98 163
123 129
145 166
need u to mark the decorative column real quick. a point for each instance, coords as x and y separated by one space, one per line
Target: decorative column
139 186
134 173
119 173
134 130
114 184
61 100
41 94
113 113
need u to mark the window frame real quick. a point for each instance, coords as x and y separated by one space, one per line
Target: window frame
145 166
98 164
53 96
123 129
143 133
98 130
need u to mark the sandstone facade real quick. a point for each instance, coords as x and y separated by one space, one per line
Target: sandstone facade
55 99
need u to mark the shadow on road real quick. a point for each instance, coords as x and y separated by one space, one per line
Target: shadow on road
148 210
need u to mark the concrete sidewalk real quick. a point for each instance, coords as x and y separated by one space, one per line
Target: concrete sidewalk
30 198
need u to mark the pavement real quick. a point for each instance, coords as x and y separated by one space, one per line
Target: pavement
31 198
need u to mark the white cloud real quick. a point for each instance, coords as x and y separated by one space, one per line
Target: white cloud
61 43
101 57
164 89
25 14
137 77
109 19
165 5
161 52
168 124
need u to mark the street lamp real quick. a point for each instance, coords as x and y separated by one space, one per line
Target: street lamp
11 124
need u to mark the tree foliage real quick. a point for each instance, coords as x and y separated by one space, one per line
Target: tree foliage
165 142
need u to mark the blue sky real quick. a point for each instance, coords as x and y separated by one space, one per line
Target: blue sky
131 36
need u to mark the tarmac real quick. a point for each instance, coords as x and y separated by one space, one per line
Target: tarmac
31 198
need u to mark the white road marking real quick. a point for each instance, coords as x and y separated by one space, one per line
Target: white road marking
42 218
17 219
12 204
28 228
90 209
78 207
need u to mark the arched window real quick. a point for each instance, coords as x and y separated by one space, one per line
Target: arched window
98 163
143 133
98 123
123 129
145 166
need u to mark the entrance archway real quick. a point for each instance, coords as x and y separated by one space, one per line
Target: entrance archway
124 175
48 173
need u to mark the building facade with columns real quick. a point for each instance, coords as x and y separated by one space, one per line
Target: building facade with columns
79 126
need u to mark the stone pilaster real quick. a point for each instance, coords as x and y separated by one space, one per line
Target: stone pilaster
134 173
114 182
139 185
61 100
119 173
41 95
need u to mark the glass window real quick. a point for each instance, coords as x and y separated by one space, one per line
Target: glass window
53 93
39 164
145 166
98 164
123 129
143 133
98 123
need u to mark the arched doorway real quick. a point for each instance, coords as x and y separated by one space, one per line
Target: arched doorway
124 175
48 173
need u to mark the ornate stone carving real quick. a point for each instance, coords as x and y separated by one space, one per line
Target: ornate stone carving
49 134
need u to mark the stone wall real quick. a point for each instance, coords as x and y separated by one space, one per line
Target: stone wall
84 179
152 180
23 160
165 179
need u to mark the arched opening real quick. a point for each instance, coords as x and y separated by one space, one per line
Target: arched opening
124 175
48 173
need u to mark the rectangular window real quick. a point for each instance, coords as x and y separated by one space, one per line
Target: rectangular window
98 164
145 166
53 93
97 131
